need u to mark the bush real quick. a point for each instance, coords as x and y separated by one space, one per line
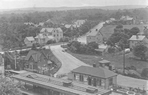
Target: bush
139 51
51 42
145 73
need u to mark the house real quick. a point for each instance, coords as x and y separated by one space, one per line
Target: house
38 60
41 24
138 39
29 23
40 39
43 39
2 69
57 33
127 20
95 36
29 41
145 31
78 23
94 76
70 26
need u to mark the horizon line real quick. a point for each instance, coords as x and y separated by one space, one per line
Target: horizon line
69 6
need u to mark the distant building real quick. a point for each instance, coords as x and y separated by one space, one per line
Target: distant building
95 36
127 20
70 26
41 24
112 19
29 23
38 59
78 23
2 69
29 41
43 39
57 33
46 85
145 31
138 39
94 76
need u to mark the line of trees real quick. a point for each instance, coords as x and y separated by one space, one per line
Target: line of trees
121 36
78 47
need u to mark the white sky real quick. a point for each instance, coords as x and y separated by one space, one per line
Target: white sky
10 4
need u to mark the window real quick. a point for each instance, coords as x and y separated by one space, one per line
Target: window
110 81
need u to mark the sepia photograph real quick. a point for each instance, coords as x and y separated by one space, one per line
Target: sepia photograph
73 47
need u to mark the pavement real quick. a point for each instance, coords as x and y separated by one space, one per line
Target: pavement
68 61
132 82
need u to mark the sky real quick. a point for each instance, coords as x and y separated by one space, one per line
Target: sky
13 4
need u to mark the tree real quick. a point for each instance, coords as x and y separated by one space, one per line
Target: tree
34 47
8 87
134 31
144 73
51 41
94 45
139 51
118 28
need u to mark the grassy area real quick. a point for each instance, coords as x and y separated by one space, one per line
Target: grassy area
116 60
109 29
88 59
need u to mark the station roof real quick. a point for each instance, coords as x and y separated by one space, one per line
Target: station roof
97 72
57 84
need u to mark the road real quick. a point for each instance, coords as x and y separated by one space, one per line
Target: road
82 39
68 61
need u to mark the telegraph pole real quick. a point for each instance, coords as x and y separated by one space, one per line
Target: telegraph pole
123 60
15 59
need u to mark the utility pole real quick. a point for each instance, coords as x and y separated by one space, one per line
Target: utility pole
123 60
15 59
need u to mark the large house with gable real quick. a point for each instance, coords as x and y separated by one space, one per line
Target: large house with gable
95 36
49 34
38 60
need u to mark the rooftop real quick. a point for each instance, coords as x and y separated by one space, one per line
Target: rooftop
40 36
46 29
68 25
126 18
30 38
58 84
50 37
36 54
104 61
97 72
137 38
59 29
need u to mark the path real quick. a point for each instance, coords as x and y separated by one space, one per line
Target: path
132 82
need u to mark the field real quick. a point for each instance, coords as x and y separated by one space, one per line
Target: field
109 29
